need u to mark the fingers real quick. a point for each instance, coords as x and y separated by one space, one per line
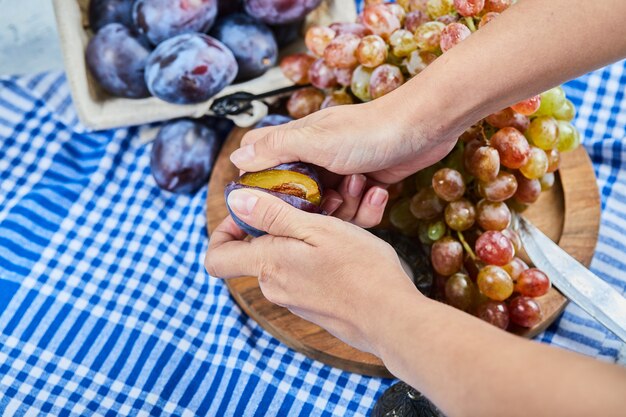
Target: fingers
332 201
351 190
228 255
272 215
372 207
268 147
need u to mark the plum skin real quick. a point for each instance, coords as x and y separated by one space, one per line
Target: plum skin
276 12
103 12
251 42
294 201
273 120
189 68
116 58
159 20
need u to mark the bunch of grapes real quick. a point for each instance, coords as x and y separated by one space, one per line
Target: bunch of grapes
461 207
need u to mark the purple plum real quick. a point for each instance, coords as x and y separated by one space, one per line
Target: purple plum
295 183
183 154
189 68
159 20
103 12
278 12
273 120
288 33
116 58
251 42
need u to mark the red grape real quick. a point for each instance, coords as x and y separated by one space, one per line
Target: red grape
460 291
485 164
446 256
380 20
413 5
554 160
397 11
425 205
494 248
491 215
417 61
528 191
385 78
317 39
469 7
524 311
452 35
321 75
414 19
513 236
515 268
296 67
496 5
532 283
508 118
460 215
448 184
528 106
495 283
341 28
494 312
371 51
341 51
304 102
512 147
500 189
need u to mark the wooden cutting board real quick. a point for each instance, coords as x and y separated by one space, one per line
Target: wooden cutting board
569 214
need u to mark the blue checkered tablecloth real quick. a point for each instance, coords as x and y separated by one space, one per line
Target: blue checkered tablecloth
105 307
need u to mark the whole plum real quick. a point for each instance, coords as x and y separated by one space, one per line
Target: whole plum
295 183
276 12
116 58
273 120
182 155
250 41
189 68
288 33
159 20
103 12
221 125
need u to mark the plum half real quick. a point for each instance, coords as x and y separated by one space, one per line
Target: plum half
295 183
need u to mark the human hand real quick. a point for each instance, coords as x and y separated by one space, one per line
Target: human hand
321 268
374 139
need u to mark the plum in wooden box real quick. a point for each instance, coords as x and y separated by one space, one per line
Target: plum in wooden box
131 62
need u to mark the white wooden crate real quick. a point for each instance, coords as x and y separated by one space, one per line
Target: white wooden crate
98 110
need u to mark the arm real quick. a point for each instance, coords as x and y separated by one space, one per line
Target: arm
531 47
342 278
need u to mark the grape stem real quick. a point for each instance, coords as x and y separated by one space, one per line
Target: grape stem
470 23
466 245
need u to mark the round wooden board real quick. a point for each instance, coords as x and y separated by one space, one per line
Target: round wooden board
569 214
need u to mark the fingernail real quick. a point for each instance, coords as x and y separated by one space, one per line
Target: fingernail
379 197
242 155
356 185
242 201
332 204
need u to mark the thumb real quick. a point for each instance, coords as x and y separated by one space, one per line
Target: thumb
270 147
269 213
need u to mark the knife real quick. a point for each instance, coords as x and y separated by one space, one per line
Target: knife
575 281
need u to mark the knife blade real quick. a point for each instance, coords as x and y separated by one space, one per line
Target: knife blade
576 282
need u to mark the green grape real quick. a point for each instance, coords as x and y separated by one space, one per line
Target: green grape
551 101
422 234
402 43
360 85
569 138
547 181
543 132
554 160
438 8
460 215
460 291
436 230
425 205
401 218
495 283
428 36
566 112
537 164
